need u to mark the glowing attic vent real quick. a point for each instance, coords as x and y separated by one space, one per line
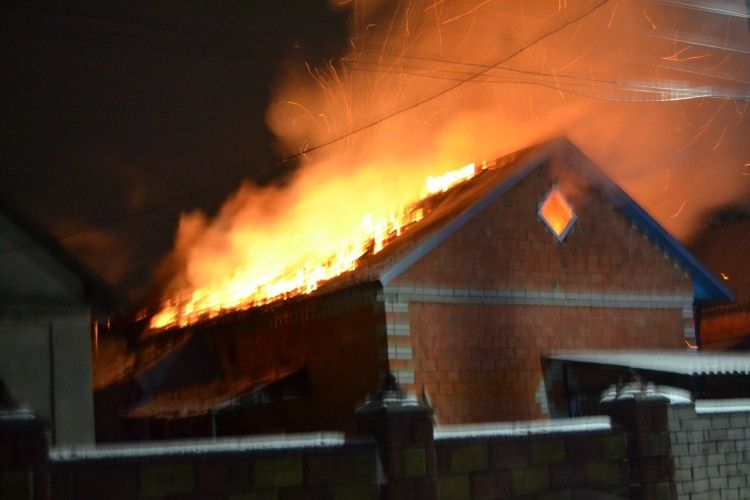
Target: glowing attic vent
557 214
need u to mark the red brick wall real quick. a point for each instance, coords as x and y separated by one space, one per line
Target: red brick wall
481 362
335 336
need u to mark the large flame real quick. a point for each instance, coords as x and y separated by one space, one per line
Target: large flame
290 273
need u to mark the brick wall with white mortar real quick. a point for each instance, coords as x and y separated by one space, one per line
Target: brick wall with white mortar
711 450
471 319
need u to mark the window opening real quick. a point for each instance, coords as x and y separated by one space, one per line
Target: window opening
557 214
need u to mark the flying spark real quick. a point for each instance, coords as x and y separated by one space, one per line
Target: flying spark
612 16
678 210
676 56
645 14
724 131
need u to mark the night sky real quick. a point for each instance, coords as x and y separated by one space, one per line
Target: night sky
118 116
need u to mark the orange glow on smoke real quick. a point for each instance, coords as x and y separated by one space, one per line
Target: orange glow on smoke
243 288
557 213
423 88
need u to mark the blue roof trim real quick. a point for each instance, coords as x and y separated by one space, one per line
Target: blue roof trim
706 286
399 267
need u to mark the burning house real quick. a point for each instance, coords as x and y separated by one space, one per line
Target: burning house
508 263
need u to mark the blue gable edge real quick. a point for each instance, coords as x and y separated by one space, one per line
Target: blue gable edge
706 286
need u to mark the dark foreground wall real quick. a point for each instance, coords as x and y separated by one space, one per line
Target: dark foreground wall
398 455
24 470
326 466
301 466
567 462
394 454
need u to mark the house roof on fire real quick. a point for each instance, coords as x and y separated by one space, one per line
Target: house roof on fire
449 211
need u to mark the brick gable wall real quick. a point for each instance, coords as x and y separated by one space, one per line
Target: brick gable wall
480 363
507 247
469 322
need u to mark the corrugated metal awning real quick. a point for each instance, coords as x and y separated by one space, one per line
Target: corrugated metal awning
680 362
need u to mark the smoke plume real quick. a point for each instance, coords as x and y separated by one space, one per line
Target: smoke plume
654 92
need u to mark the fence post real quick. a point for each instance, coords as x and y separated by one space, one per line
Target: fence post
402 427
24 462
643 414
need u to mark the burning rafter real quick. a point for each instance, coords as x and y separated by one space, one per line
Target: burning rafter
241 291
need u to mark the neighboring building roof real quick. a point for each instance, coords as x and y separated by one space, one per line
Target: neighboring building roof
718 247
194 401
725 327
678 362
100 294
451 210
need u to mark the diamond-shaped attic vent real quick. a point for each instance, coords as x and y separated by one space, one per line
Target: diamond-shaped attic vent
557 214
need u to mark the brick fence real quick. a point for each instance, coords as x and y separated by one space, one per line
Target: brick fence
643 416
283 467
711 449
566 459
643 448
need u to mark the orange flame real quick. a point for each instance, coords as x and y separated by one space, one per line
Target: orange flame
444 182
557 213
244 289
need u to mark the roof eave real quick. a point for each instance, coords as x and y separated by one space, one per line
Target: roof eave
706 286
